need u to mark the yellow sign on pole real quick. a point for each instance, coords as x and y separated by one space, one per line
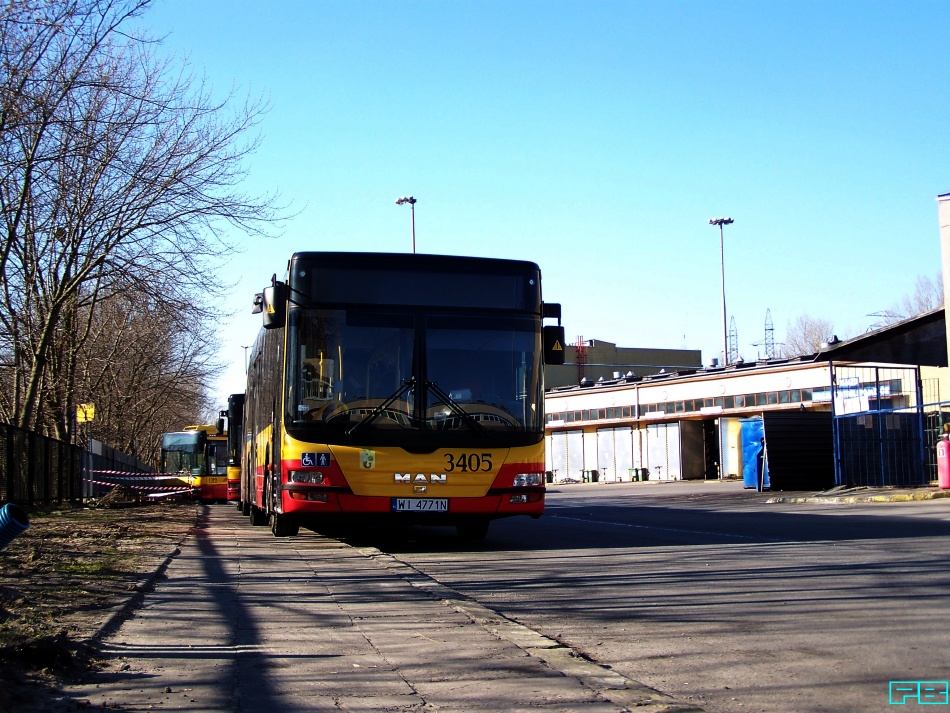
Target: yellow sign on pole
85 413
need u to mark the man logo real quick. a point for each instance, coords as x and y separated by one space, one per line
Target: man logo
420 478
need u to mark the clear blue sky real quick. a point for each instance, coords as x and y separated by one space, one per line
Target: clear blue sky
598 139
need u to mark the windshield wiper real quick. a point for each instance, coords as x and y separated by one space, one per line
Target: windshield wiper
407 385
456 408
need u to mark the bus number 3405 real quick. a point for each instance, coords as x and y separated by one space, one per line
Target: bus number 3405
468 462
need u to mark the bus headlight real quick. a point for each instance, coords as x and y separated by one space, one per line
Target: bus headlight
525 479
305 476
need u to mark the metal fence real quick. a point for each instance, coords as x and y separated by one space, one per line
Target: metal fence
882 436
36 469
106 467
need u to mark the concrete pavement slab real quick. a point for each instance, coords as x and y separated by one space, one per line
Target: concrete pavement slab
247 622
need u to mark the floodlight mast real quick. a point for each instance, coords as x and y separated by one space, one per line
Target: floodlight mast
412 205
722 266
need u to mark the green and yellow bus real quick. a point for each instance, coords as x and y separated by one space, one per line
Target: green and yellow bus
398 386
198 455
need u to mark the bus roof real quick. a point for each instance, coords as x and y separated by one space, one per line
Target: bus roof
398 261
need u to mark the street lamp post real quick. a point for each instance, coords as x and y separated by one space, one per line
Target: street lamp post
722 264
412 205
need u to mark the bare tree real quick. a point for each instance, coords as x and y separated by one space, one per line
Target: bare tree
144 366
119 174
804 335
926 296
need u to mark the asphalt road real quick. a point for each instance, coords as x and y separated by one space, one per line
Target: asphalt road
716 597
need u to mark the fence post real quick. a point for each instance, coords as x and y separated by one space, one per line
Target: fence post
8 465
922 426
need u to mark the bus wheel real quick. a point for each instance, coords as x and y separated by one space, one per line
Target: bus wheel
245 508
240 506
472 530
258 516
283 525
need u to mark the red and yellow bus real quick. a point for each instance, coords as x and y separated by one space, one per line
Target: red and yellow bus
235 433
198 454
398 386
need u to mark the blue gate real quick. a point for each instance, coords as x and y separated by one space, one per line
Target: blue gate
878 426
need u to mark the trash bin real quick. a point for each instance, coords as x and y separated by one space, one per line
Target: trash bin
549 476
943 463
594 476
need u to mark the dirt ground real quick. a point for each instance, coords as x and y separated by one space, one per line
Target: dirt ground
75 569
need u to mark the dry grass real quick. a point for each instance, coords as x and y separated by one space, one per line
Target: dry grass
65 576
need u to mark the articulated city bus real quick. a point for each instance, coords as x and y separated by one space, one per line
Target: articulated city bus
398 385
235 415
198 454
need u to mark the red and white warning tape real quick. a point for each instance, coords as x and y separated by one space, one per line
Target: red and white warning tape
147 482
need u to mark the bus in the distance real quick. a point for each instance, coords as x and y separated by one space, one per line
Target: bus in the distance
198 454
398 386
235 445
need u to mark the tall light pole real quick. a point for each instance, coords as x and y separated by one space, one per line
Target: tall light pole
722 264
412 205
245 357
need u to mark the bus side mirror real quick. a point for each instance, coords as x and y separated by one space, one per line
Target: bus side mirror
274 305
553 342
552 310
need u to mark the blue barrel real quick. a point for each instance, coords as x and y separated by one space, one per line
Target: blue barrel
13 521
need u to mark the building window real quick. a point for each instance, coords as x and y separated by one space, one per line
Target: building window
772 397
627 411
783 397
729 402
796 395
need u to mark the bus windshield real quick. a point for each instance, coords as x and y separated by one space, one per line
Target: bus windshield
358 373
217 457
183 451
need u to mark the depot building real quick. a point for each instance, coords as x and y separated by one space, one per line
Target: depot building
866 411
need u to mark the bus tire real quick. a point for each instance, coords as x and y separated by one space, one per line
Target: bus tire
258 516
245 508
283 525
472 530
